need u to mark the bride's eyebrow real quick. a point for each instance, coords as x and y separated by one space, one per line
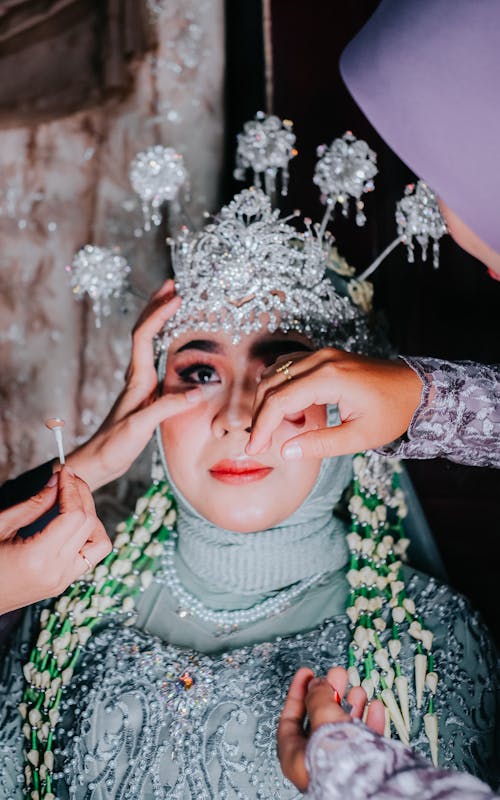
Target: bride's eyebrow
207 345
277 347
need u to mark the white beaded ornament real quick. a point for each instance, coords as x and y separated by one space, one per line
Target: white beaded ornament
102 274
266 146
418 216
345 169
157 175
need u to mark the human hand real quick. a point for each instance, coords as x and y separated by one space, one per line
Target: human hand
376 401
45 564
319 699
137 411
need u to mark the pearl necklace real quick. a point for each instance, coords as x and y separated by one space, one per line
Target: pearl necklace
228 621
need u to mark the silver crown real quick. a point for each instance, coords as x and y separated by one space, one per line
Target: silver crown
249 270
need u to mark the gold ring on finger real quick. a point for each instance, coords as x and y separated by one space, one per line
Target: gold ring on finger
284 370
87 561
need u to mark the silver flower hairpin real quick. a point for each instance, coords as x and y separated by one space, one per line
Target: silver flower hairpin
345 170
157 176
102 274
417 218
266 146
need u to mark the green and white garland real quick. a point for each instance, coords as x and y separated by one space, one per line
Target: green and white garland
377 545
111 588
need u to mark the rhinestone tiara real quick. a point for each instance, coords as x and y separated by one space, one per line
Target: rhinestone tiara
250 269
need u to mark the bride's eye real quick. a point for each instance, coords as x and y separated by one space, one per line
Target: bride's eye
199 373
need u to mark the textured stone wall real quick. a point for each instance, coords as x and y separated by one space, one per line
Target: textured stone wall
64 183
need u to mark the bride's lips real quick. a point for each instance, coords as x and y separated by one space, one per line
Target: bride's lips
239 472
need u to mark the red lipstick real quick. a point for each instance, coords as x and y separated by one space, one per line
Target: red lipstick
239 472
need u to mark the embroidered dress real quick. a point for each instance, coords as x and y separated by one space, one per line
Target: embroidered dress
178 706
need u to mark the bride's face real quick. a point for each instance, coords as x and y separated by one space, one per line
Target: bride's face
205 447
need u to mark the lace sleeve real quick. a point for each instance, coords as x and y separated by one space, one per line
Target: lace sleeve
348 760
459 414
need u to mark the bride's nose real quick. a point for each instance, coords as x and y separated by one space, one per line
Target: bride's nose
235 411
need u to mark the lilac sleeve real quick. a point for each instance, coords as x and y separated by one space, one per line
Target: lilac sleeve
459 414
347 760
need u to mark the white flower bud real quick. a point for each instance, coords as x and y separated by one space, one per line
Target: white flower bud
146 578
352 613
394 648
66 675
62 604
141 505
389 677
398 614
128 604
353 675
397 587
100 572
84 633
382 659
409 605
170 518
431 681
367 547
54 716
121 566
367 685
354 541
401 547
426 638
141 536
415 630
34 717
43 637
48 760
353 577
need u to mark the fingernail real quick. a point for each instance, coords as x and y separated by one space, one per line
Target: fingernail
292 452
194 395
52 480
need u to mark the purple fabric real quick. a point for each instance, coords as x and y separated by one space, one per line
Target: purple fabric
426 74
459 414
347 760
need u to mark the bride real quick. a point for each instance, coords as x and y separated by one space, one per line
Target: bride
163 671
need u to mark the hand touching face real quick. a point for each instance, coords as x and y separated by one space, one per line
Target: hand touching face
205 445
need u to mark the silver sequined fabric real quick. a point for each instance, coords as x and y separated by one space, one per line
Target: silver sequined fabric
131 730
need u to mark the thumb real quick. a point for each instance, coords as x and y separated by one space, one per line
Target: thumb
23 513
345 439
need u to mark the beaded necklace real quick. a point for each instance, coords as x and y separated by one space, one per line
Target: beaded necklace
377 545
